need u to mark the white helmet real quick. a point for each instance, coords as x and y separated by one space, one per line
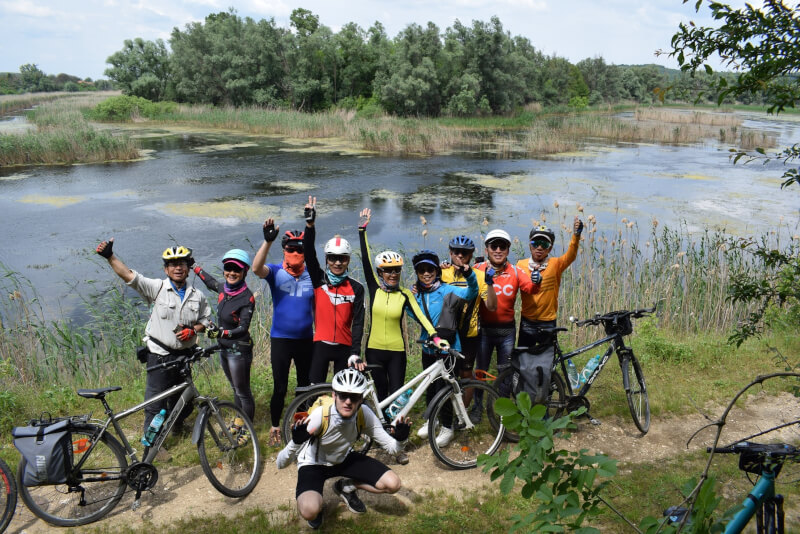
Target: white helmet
349 381
388 258
497 234
337 245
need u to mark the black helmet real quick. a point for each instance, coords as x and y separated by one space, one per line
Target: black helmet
292 237
544 232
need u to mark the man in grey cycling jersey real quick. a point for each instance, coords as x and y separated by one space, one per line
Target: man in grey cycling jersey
322 444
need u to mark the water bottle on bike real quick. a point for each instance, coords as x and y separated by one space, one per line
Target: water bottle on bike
398 404
591 365
152 431
572 374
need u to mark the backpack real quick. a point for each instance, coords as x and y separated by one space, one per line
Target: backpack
47 450
535 366
325 402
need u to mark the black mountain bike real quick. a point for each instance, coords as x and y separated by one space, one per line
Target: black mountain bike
562 397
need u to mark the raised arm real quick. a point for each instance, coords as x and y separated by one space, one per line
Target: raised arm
211 283
259 262
366 258
309 237
105 249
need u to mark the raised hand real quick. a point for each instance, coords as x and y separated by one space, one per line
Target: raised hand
363 217
577 227
270 230
310 211
105 248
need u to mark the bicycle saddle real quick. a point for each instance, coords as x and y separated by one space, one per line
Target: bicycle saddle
97 393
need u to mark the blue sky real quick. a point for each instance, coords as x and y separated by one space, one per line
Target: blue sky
76 36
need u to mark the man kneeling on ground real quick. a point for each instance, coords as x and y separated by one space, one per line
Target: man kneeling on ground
325 449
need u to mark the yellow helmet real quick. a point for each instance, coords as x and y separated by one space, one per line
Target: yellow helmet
177 253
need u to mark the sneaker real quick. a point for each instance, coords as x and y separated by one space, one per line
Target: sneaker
163 455
445 436
401 458
476 413
423 430
350 498
317 521
274 436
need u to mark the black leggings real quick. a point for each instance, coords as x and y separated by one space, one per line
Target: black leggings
236 365
158 381
323 354
282 352
394 365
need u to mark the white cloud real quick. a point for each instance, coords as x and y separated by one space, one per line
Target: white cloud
27 8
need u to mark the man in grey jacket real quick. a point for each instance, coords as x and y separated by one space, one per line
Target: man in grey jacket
179 313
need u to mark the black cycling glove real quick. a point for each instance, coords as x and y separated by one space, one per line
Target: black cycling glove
579 229
310 214
107 251
270 233
300 433
400 431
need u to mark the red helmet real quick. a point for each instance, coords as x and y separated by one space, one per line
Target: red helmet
292 237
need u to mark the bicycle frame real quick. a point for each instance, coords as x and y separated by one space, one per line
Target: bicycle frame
421 381
616 343
762 494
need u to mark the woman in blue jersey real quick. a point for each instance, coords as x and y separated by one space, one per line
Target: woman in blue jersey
442 305
292 336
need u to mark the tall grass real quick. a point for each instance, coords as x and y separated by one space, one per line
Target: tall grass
63 135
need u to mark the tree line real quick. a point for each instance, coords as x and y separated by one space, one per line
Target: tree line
31 79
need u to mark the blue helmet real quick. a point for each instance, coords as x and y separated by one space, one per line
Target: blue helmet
462 241
238 255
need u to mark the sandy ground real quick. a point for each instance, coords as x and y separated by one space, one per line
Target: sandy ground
185 492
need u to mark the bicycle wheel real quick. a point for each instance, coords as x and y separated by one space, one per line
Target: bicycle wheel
302 403
510 383
229 451
8 496
461 451
637 394
90 492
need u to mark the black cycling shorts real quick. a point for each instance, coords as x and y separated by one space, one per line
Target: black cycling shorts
470 347
359 467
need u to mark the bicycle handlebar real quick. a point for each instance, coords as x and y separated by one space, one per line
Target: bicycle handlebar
199 352
431 345
770 450
615 316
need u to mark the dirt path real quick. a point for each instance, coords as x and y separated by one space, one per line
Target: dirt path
187 493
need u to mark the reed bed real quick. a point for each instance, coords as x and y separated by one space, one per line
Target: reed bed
726 119
63 135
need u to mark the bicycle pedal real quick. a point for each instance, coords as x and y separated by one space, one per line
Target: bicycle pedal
594 421
136 504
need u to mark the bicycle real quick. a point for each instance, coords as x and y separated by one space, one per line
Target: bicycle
99 471
562 398
447 409
8 495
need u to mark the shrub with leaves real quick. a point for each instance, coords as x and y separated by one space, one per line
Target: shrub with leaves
566 484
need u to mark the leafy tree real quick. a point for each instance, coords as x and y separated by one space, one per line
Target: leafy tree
32 77
761 46
141 68
313 73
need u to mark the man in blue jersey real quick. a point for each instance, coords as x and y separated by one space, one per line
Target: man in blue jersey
292 336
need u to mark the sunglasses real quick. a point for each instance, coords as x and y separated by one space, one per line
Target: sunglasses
461 251
422 269
391 270
174 264
498 245
352 397
540 243
232 268
293 248
337 258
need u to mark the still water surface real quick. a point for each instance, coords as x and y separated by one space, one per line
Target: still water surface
212 191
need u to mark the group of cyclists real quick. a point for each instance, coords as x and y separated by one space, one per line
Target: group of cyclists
318 319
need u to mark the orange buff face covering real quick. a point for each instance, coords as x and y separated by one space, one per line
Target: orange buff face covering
293 262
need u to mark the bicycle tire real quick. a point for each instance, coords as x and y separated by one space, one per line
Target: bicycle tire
8 495
101 476
485 437
638 401
302 403
232 464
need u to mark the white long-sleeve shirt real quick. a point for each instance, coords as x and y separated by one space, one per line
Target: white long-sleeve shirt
336 444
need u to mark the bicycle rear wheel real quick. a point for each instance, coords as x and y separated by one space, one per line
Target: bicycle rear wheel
229 451
90 492
510 383
636 392
8 496
461 451
302 404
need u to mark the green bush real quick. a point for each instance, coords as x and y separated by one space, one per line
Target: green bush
126 108
653 343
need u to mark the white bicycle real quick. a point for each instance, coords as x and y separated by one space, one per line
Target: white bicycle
447 409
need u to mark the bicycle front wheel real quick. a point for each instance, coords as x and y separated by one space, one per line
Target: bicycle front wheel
458 443
228 449
636 393
90 492
8 496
